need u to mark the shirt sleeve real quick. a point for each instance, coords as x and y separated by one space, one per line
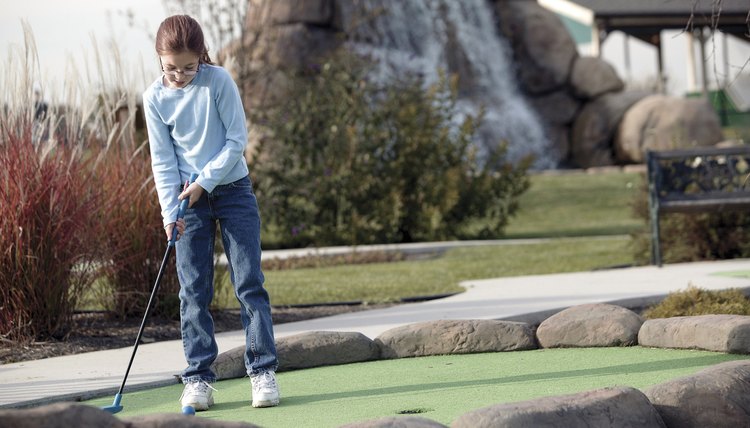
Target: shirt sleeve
163 162
232 115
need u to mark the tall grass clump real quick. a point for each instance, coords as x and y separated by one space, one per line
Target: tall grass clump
46 210
78 211
45 216
698 301
133 242
134 246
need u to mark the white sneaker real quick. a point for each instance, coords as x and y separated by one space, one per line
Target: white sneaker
265 390
198 394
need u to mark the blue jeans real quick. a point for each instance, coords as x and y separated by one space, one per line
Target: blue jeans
235 208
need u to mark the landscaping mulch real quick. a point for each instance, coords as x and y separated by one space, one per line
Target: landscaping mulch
96 331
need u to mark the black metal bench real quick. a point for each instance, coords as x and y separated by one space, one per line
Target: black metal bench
696 180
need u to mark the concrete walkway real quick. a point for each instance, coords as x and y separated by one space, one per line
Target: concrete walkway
528 298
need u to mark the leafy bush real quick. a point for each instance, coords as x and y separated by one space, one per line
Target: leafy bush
697 301
687 237
348 161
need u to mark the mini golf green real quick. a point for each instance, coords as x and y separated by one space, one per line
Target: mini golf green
734 274
440 388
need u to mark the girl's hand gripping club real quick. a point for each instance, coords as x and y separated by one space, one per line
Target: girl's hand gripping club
181 212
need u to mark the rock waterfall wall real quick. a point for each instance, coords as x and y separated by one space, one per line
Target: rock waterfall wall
513 58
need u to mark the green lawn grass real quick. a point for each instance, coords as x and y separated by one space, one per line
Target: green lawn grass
577 204
388 282
440 388
555 206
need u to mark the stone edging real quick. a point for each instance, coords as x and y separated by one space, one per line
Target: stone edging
718 396
590 325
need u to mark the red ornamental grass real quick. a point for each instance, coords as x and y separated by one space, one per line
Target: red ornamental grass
46 238
135 242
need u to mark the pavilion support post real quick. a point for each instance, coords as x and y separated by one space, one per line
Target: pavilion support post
662 77
704 68
692 78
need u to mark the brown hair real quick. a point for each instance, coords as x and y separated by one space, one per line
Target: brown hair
180 33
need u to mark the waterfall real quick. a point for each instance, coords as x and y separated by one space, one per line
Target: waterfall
426 36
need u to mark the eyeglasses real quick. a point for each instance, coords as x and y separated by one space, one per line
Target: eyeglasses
173 73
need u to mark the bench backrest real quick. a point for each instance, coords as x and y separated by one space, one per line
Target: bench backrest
703 179
697 180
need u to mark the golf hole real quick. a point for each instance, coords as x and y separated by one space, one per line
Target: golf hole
414 411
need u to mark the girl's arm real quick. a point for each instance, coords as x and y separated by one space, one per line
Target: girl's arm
163 162
232 115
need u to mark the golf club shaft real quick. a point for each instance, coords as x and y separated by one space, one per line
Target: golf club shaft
154 292
170 245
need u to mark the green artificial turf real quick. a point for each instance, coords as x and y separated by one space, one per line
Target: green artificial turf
440 388
735 274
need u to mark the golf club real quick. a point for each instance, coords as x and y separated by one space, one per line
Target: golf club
116 407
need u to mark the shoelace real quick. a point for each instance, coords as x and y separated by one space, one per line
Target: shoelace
265 380
200 387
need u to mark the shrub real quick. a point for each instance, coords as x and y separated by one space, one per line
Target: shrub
131 241
46 212
77 204
697 301
134 245
349 161
47 207
687 237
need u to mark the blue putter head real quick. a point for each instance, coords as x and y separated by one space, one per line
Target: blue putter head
115 407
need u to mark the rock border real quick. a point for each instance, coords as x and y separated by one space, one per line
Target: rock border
680 402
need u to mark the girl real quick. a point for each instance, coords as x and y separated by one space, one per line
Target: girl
196 124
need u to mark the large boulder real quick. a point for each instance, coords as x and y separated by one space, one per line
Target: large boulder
230 364
592 77
594 129
660 122
721 333
165 420
280 35
455 337
717 397
279 46
302 351
324 348
559 136
595 324
281 12
62 415
543 48
608 407
396 422
65 415
557 108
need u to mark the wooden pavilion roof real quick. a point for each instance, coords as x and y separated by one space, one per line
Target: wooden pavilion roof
645 19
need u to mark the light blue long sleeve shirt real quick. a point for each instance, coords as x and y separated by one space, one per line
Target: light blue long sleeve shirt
196 129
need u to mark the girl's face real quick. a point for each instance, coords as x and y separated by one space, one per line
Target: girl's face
179 68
